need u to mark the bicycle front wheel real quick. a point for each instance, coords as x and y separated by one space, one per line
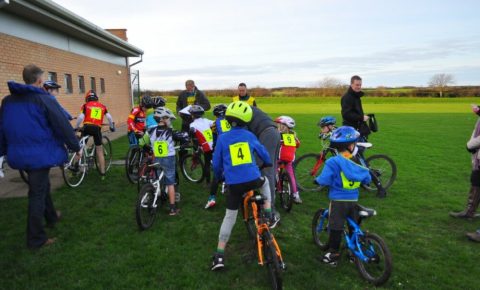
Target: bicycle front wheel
107 154
285 191
74 171
192 168
306 168
132 163
384 169
378 267
249 221
272 260
145 211
320 229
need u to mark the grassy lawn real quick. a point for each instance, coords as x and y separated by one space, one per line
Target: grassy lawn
100 247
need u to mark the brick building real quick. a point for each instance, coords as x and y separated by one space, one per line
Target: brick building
71 50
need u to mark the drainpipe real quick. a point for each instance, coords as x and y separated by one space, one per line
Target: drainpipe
129 70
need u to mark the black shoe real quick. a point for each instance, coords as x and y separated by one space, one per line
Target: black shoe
331 258
273 221
218 262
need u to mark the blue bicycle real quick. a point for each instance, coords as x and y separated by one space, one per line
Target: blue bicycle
368 250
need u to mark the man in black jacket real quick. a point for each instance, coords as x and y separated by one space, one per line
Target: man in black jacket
191 96
352 110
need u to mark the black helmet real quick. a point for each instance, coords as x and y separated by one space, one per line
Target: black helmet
219 110
159 102
146 102
91 96
51 85
196 111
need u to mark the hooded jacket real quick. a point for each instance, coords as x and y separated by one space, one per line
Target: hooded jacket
34 129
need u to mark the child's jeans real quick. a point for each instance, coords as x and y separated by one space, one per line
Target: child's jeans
291 174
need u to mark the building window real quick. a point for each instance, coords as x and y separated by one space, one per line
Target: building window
81 84
52 76
93 85
68 84
102 85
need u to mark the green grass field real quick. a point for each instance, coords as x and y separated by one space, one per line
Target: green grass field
100 247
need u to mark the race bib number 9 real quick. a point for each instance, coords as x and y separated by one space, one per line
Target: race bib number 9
289 140
208 135
347 184
240 153
225 125
96 113
160 149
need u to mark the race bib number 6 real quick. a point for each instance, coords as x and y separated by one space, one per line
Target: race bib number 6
208 135
347 184
160 149
96 113
240 153
225 125
289 140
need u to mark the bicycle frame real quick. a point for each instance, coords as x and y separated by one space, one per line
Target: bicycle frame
156 184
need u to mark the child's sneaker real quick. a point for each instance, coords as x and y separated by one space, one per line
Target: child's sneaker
218 262
174 211
297 199
273 221
211 202
331 258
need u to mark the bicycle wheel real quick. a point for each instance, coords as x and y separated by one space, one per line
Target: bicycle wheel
249 222
285 191
192 168
320 229
272 261
378 268
107 154
306 168
24 176
145 209
384 168
132 163
74 171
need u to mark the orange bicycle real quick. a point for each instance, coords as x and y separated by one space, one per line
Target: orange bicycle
266 246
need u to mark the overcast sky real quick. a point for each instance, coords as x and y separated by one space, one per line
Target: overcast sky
273 43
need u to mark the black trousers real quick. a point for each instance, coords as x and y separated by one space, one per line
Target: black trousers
40 206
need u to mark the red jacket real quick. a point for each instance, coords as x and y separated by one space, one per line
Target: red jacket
136 120
288 145
94 112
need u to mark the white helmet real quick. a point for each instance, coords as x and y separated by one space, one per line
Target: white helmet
286 120
161 112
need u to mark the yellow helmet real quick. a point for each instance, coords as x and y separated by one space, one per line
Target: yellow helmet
239 112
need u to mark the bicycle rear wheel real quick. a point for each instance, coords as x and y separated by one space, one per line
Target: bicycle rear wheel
192 168
272 261
285 191
384 169
307 167
145 210
74 171
320 229
378 268
132 163
107 154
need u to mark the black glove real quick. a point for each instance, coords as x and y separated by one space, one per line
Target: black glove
471 150
112 128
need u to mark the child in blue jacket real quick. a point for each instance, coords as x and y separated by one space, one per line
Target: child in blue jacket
343 177
234 159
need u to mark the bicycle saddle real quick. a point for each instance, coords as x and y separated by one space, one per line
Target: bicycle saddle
364 144
365 211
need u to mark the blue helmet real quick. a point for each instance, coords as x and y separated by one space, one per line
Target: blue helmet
344 134
328 120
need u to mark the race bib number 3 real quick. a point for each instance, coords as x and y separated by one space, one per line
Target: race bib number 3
289 140
225 125
208 135
96 113
347 184
240 153
160 149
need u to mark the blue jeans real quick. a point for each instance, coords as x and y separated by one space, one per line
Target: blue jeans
132 139
168 166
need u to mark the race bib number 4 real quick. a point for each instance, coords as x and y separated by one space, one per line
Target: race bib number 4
225 125
96 113
289 140
160 149
208 135
240 153
347 184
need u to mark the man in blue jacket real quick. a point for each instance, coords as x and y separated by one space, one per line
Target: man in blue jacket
33 134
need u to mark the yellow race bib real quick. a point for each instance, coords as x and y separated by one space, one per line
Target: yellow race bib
190 100
225 125
240 153
347 184
96 113
289 140
160 149
208 135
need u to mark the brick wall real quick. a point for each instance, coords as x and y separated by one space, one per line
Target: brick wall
15 53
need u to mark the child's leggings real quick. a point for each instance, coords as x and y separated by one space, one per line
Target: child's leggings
289 169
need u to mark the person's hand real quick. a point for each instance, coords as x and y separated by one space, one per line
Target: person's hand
112 129
78 155
365 118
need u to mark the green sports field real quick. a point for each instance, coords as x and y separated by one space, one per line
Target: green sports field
100 247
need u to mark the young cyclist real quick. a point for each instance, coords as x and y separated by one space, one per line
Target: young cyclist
162 140
136 120
92 114
219 127
234 159
343 177
157 102
288 145
201 129
327 125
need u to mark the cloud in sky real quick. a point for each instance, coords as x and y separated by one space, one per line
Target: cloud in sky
283 43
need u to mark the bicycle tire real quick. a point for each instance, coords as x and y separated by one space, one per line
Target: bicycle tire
303 167
145 212
74 176
272 261
384 275
285 191
320 229
192 167
249 222
24 176
386 171
107 154
132 163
